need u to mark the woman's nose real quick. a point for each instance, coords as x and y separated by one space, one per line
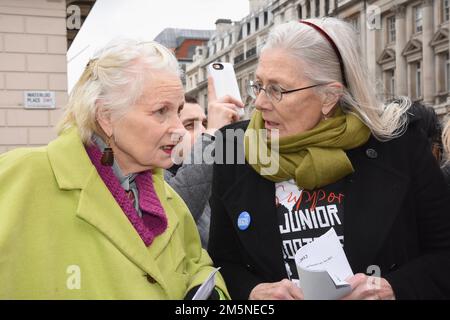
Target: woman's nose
178 128
262 102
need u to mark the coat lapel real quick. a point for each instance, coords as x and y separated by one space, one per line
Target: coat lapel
374 195
74 171
367 218
98 207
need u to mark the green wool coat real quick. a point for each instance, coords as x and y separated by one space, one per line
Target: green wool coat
63 235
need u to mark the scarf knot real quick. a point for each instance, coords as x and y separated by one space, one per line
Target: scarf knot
314 158
154 220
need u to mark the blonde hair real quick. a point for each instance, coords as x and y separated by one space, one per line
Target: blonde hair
446 139
321 65
114 80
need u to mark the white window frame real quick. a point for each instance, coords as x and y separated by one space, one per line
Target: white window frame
447 72
418 19
445 10
391 36
418 80
392 82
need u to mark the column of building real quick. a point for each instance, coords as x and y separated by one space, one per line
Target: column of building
401 77
303 4
313 8
428 53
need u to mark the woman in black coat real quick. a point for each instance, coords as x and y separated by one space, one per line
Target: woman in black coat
345 160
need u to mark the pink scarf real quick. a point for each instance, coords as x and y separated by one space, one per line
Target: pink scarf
154 220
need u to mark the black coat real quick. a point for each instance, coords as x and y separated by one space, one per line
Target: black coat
446 172
396 216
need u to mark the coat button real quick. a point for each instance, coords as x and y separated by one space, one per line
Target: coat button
249 268
371 153
150 278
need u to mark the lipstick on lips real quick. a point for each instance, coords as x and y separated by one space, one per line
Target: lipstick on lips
168 149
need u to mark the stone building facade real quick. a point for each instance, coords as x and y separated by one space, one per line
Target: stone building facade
405 44
33 48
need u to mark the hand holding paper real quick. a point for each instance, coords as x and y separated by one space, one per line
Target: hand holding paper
323 267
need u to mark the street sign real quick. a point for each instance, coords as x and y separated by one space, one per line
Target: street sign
39 100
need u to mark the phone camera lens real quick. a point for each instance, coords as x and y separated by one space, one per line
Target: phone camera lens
218 66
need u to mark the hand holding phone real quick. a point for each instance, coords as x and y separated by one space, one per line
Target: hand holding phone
225 82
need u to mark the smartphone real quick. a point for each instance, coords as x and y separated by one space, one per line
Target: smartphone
225 81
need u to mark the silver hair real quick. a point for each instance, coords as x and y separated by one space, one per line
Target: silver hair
321 65
114 80
446 138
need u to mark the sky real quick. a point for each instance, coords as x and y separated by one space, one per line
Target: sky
144 20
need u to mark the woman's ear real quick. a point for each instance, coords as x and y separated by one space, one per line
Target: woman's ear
104 120
332 96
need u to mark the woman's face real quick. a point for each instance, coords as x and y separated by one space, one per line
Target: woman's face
145 136
298 111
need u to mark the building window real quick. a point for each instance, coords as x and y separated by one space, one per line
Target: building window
299 11
317 9
391 29
418 18
248 28
418 79
445 10
354 21
266 17
241 88
239 55
256 24
308 9
282 17
327 7
447 72
391 74
251 77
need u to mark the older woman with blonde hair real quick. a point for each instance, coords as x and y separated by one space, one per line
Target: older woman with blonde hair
89 216
342 160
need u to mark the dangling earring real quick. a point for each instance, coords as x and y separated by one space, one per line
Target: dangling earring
107 156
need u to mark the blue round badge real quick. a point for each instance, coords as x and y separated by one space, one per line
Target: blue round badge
244 220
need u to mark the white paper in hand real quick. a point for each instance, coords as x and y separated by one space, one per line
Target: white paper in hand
323 267
207 287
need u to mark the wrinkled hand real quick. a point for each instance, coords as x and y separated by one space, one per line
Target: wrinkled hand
283 290
221 112
369 288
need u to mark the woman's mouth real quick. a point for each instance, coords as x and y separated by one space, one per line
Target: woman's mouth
168 149
270 125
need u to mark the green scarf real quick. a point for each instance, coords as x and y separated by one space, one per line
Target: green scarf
314 158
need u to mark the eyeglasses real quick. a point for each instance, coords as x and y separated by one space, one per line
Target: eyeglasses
273 91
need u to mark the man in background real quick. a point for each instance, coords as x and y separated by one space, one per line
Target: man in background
192 179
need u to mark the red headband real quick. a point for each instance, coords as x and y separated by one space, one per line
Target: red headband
333 45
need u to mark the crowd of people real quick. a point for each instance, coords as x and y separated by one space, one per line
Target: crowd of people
125 204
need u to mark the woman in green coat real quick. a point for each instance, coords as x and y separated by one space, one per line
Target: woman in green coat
89 216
